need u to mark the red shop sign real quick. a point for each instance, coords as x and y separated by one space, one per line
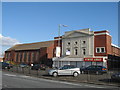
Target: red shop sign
93 59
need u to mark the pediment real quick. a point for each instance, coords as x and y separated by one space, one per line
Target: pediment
76 34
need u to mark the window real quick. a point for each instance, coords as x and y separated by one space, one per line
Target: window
100 50
84 52
84 42
68 43
76 51
75 42
68 51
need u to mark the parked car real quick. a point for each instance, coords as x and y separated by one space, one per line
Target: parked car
35 67
43 66
115 76
6 65
23 65
65 70
94 69
39 67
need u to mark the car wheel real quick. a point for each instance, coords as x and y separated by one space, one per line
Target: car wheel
55 74
75 74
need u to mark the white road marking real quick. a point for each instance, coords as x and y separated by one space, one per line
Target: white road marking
11 75
93 86
24 76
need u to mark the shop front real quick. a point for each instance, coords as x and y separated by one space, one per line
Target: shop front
58 62
93 61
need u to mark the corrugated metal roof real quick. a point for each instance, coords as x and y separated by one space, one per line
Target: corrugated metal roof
31 46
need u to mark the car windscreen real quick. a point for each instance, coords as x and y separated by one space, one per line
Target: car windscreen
67 67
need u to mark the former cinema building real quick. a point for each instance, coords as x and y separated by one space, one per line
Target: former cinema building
85 47
79 47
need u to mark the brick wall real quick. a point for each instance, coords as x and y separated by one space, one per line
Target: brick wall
101 39
115 51
50 52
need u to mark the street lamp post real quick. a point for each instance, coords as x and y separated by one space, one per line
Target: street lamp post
59 27
58 42
59 35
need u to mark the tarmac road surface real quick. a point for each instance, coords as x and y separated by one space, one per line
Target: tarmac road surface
15 80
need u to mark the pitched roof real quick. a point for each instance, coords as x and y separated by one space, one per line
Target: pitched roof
31 46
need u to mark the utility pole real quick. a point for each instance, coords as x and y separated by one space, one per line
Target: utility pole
58 49
58 41
59 35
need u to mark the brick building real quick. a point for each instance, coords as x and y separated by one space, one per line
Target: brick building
84 47
40 52
79 47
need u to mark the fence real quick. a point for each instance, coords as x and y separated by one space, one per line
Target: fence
89 78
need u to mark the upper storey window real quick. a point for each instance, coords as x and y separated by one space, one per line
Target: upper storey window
100 49
76 51
84 42
76 42
68 43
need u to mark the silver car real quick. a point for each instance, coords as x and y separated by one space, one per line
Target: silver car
65 70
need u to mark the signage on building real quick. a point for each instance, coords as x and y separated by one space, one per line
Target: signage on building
67 52
93 59
57 51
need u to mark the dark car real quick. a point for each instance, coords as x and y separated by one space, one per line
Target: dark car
94 69
23 65
38 67
35 67
43 66
6 65
115 76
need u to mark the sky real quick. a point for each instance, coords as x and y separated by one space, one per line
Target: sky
28 22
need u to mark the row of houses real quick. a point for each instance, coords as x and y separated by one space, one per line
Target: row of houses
78 47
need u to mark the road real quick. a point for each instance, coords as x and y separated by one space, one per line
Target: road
15 80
